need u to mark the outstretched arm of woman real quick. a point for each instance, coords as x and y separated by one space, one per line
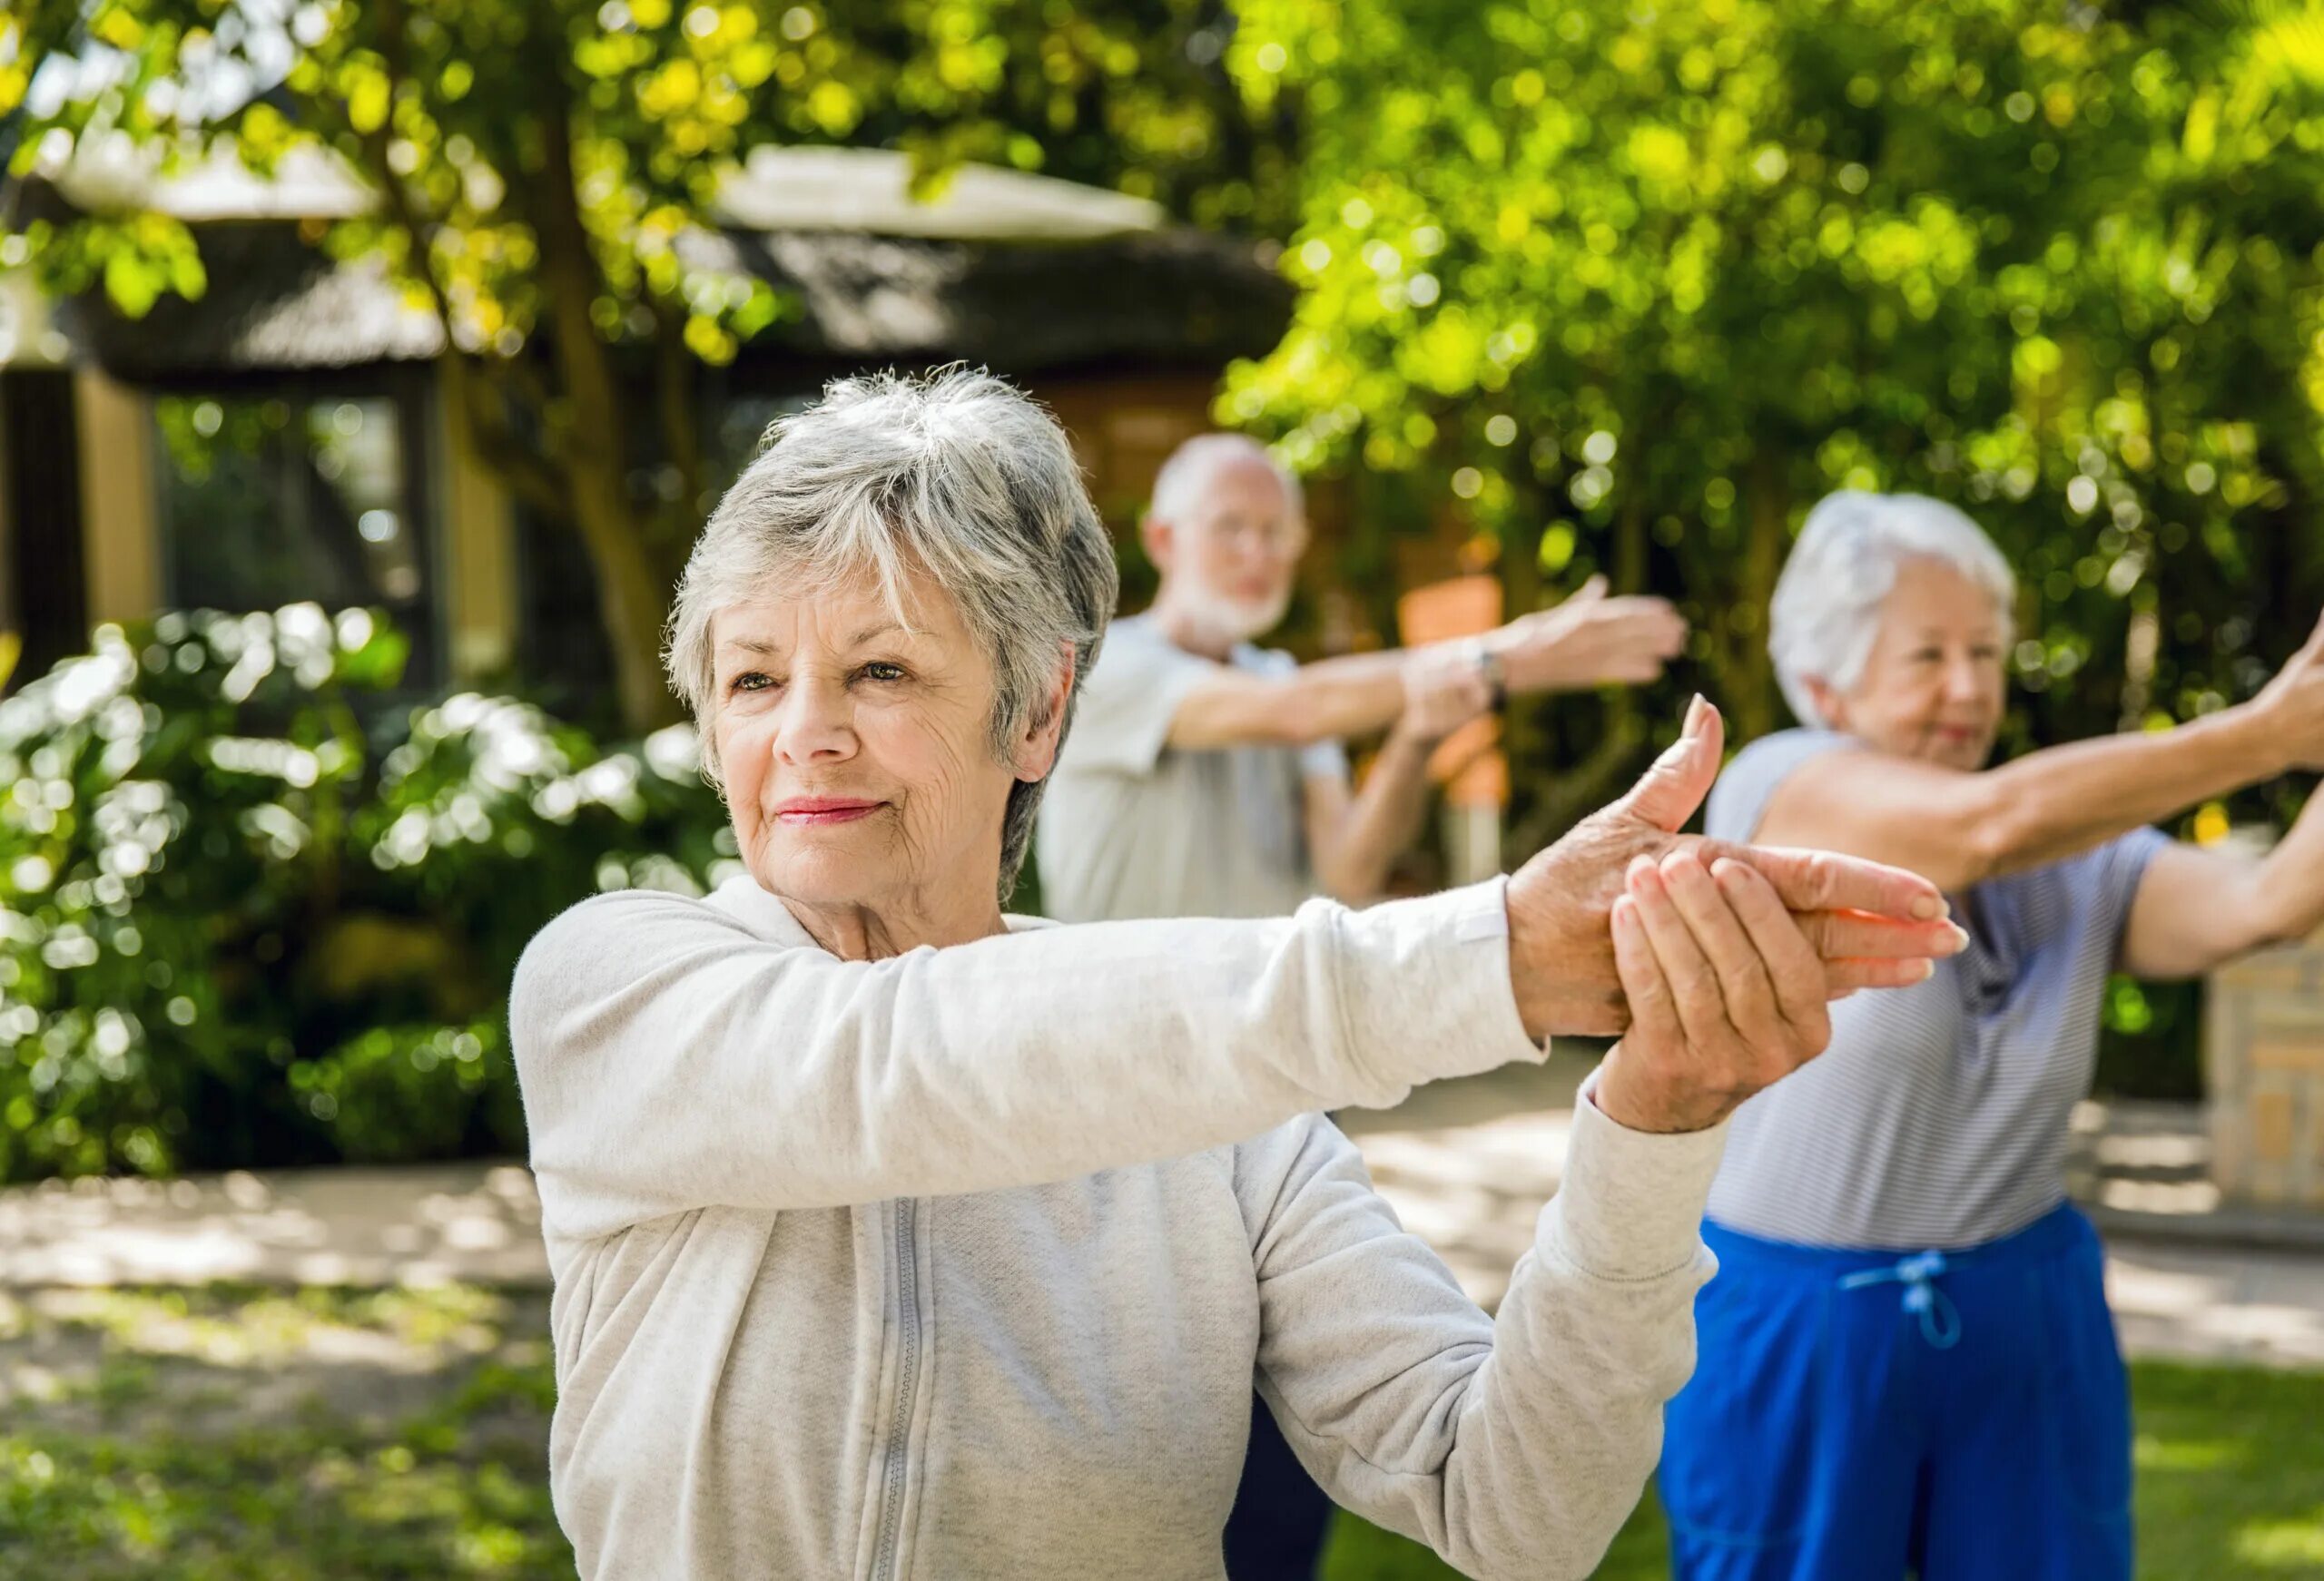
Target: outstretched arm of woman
671 1058
1516 1446
2197 908
1958 826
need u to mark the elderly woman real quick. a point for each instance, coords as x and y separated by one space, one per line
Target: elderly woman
1907 1359
893 1237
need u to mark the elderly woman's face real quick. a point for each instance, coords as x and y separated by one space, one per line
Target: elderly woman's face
856 754
1934 686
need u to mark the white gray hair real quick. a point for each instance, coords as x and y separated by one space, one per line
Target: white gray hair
1827 607
955 474
1178 486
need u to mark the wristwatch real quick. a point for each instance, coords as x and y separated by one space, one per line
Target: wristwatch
1496 677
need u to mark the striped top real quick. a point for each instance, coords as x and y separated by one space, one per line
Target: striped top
1939 1116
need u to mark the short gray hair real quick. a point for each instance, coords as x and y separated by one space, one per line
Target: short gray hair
1177 488
954 473
1827 607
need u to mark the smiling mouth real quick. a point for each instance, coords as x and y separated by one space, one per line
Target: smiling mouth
820 813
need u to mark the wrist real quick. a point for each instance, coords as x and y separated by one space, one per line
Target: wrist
2247 736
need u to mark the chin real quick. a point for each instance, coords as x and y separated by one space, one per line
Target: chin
821 872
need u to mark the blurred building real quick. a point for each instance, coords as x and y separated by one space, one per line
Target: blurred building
288 435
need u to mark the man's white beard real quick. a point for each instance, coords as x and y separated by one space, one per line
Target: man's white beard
1226 621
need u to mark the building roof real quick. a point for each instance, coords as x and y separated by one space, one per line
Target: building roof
1021 272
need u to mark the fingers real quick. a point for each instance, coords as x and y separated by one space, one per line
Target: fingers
1843 977
1795 974
1744 970
1837 934
1808 880
1674 784
1654 1017
1694 984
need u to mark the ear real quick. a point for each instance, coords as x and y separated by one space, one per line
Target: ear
1037 747
1161 540
1829 702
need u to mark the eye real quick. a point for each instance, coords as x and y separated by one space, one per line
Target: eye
1927 655
750 680
882 670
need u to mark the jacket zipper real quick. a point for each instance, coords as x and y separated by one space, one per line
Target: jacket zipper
892 1495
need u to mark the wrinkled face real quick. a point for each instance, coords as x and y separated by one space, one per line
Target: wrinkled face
1231 559
1934 686
856 755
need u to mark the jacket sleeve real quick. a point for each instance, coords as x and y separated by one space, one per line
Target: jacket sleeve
670 1058
1513 1446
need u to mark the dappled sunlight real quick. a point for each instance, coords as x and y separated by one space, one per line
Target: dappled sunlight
416 1227
2292 1545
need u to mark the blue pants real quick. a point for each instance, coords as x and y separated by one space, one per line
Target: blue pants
1858 1414
1281 1518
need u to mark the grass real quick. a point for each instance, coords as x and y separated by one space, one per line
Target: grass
2230 1488
233 1434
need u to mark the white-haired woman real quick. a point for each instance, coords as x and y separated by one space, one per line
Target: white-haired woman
1907 1359
895 1239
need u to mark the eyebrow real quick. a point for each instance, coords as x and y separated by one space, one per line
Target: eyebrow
764 647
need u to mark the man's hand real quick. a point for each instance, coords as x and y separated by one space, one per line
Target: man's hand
1868 926
1444 689
2292 704
1589 640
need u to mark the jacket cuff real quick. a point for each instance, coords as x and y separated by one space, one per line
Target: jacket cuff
1425 986
1630 1207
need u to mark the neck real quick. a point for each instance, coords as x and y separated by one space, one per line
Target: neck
867 932
1187 628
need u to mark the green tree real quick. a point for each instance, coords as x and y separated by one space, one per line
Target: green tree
1605 286
543 168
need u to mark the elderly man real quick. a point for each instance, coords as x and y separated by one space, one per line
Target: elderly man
1205 777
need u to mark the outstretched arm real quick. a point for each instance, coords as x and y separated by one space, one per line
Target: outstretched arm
1587 641
2197 908
1515 1447
1957 827
1354 839
671 1058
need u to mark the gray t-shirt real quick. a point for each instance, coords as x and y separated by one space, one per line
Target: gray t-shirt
1938 1116
1131 827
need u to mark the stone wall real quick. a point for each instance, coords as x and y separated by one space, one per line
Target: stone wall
2263 1067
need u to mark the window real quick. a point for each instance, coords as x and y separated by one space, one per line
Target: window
275 497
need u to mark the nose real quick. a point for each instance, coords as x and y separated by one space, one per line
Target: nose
1963 681
817 723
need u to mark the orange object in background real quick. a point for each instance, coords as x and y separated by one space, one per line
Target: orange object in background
1468 764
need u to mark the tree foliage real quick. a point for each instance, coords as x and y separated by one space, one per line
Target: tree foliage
247 917
1630 288
542 165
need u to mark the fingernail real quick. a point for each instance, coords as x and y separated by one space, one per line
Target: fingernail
1928 970
1695 711
1960 938
1928 908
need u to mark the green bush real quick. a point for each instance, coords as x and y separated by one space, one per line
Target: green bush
252 911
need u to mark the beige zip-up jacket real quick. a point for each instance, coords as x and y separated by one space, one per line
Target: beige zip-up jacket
961 1264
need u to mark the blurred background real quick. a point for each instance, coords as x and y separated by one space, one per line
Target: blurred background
367 367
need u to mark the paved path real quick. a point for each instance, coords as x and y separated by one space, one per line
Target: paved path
1467 1165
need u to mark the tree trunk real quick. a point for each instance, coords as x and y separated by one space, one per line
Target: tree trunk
593 441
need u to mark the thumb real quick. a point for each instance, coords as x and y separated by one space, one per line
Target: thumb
1667 795
1589 592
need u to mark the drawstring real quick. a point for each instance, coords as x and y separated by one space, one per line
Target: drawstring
1940 1319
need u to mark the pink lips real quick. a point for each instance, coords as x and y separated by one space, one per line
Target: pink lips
814 812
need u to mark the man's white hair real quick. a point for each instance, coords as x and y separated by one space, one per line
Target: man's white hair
1827 607
954 474
1178 487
